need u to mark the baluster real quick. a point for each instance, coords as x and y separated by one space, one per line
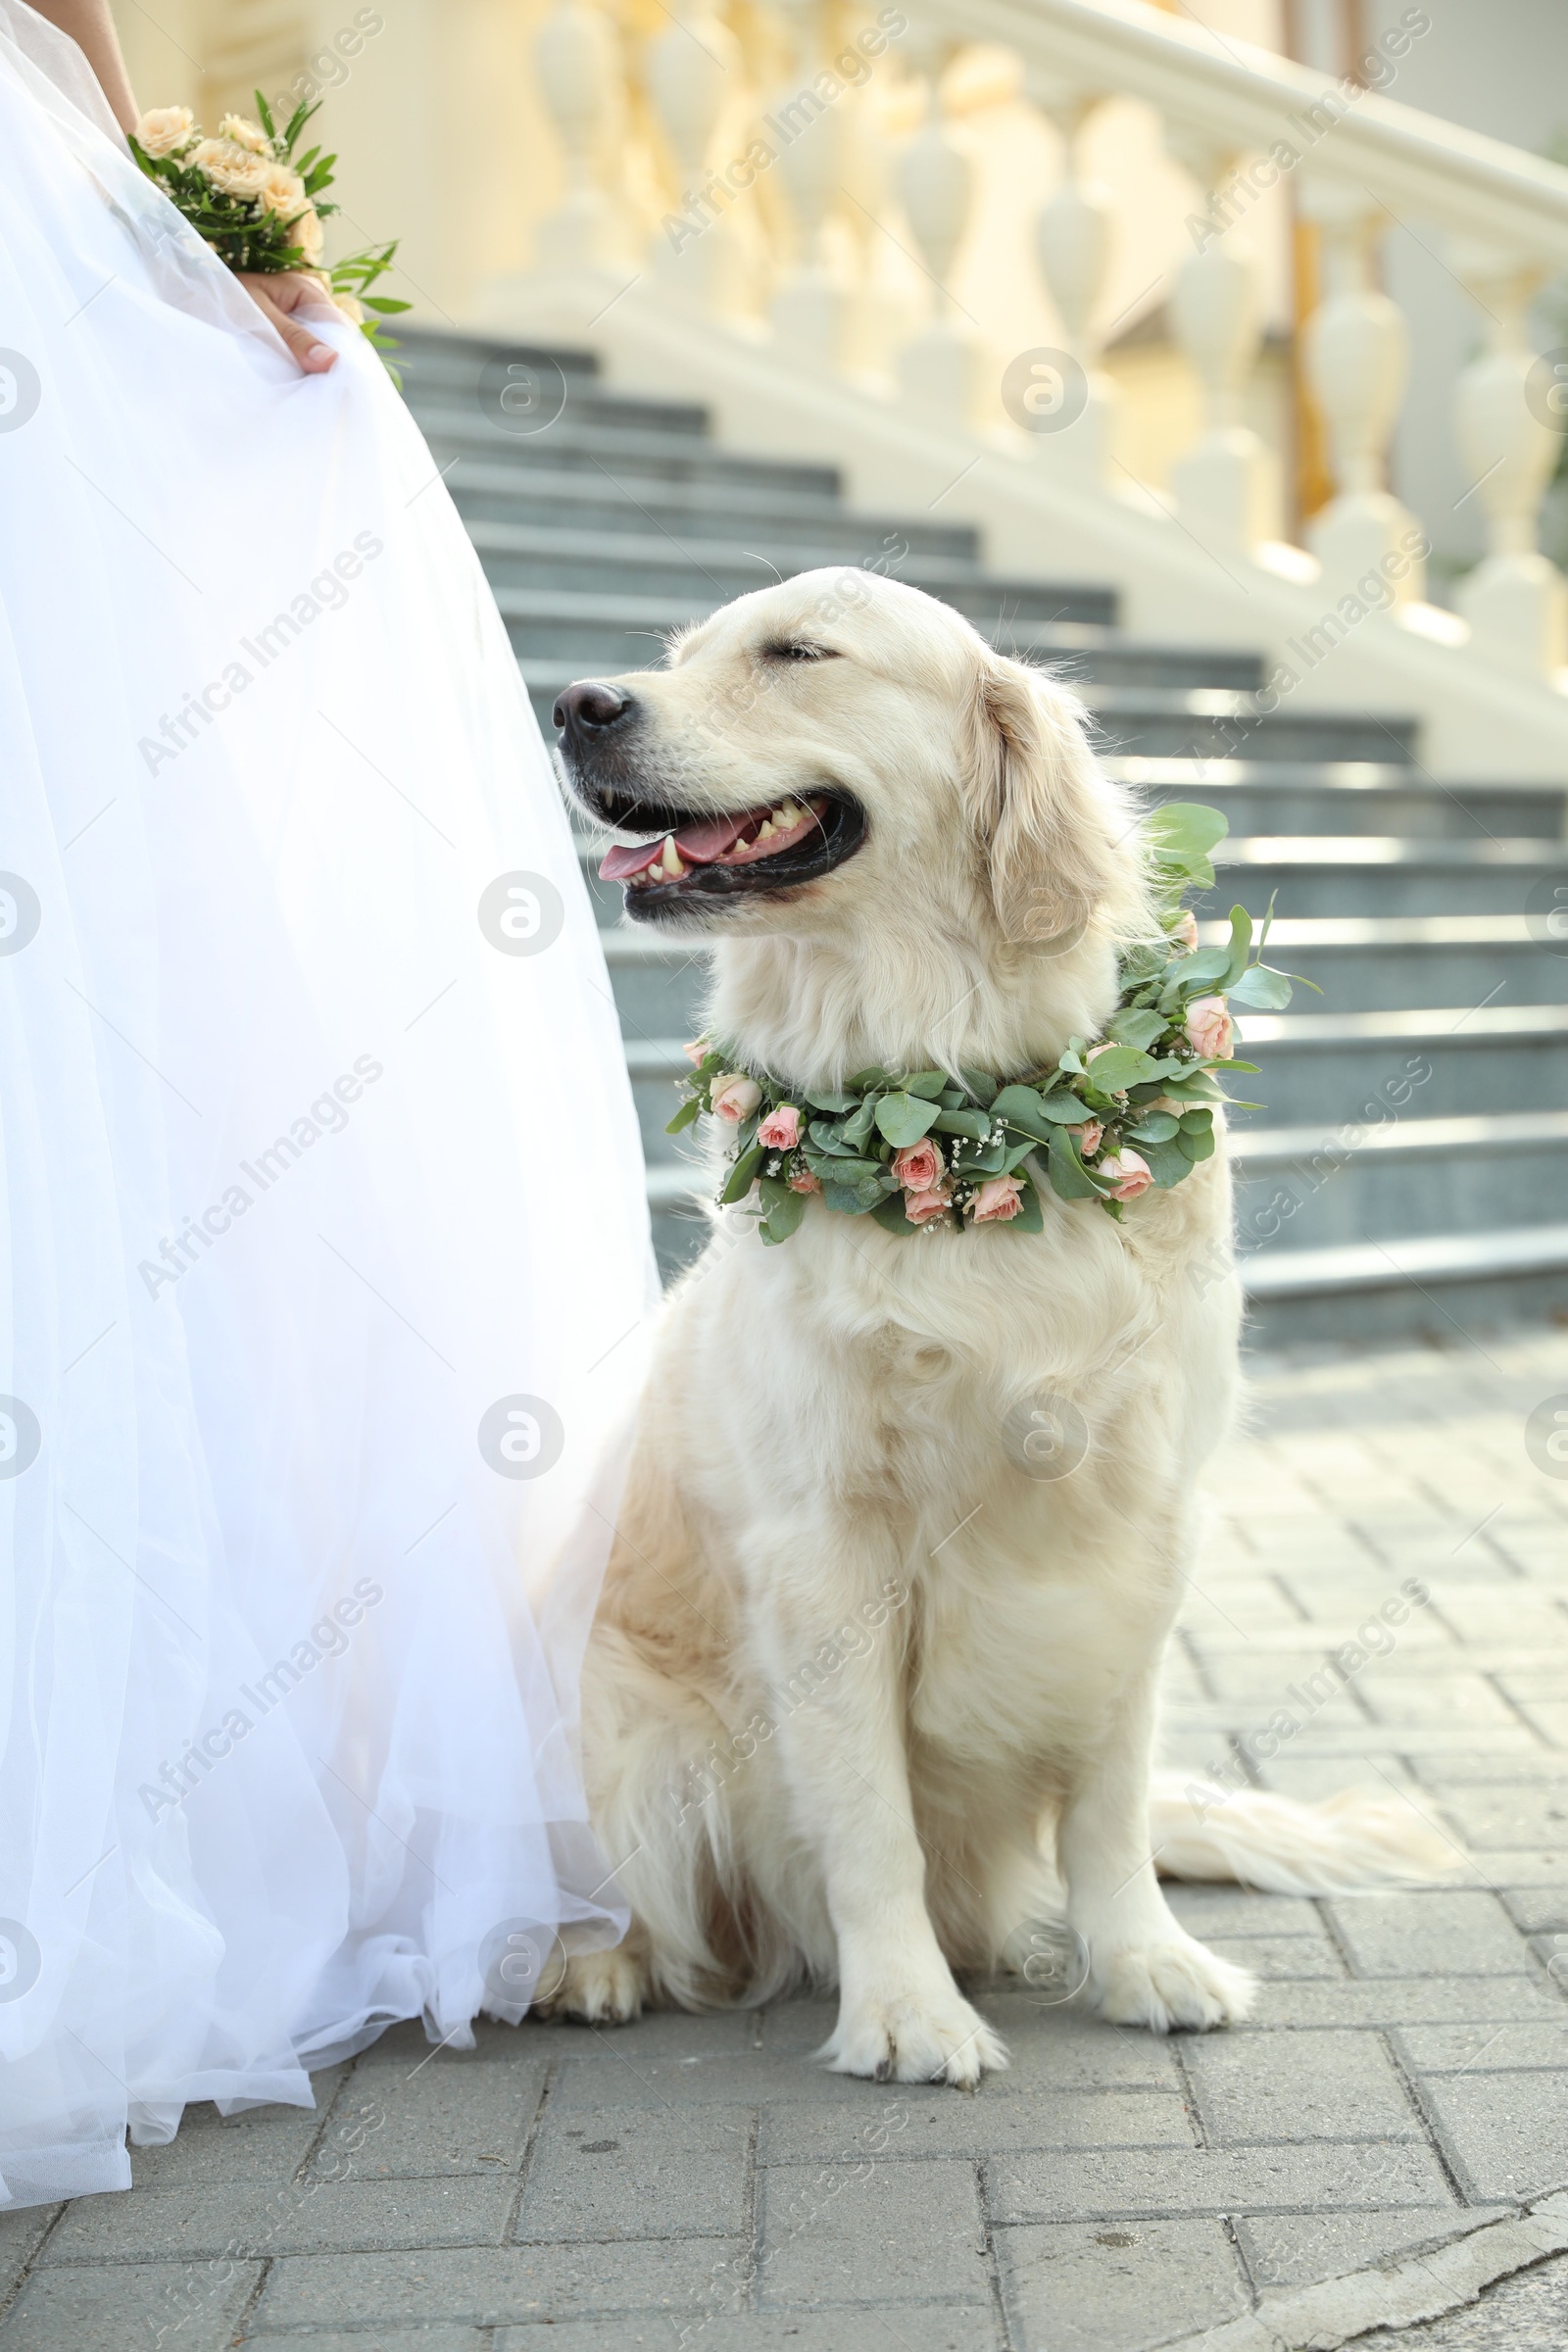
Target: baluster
691 68
1516 601
813 306
578 56
1073 242
1356 352
944 366
1222 483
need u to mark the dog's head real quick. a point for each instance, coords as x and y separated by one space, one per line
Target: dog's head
842 758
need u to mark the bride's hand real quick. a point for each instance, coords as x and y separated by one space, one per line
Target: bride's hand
288 299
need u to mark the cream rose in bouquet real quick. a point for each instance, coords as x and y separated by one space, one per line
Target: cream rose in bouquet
258 205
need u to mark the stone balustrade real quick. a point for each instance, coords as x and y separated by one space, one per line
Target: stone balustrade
800 168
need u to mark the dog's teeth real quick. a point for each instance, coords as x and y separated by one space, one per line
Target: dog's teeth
766 829
672 859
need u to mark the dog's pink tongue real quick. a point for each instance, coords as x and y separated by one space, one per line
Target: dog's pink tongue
699 843
621 863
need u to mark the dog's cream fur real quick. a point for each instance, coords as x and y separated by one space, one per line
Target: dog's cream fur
856 1674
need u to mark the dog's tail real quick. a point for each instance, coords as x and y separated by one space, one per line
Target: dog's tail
1351 1842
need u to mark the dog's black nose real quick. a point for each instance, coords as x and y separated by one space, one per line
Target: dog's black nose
590 707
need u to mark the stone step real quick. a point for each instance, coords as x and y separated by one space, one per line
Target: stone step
566 631
526 495
1374 875
1200 723
616 458
1360 1068
1299 1188
1350 796
450 365
1376 964
1444 1285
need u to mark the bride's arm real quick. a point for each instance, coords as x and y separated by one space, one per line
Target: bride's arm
288 300
92 29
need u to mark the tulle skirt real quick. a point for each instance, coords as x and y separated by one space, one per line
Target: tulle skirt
323 1258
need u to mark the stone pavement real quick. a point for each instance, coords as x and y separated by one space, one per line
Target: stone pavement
699 2182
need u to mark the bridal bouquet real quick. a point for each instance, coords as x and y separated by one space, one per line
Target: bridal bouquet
958 1149
259 206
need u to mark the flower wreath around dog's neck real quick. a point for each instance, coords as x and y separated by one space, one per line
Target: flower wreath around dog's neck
932 1148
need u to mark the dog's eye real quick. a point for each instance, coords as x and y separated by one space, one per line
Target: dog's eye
797 649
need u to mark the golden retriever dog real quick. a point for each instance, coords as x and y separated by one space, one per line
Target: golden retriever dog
870 1695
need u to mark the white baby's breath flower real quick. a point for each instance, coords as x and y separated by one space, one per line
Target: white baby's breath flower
241 131
233 169
283 191
165 130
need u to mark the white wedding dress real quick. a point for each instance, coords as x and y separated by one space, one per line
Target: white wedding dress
323 1256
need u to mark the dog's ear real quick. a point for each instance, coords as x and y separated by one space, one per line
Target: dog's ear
1048 824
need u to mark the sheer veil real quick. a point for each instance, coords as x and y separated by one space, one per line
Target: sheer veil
323 1257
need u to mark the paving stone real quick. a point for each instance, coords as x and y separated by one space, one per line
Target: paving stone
92 2309
490 2287
1505 2134
917 2329
1494 2049
1235 1911
1538 1910
1093 2287
1290 2086
1279 1959
639 2171
1407 2001
21 2233
303 2217
380 2338
265 2143
444 2118
1054 2046
1295 2249
1509 1813
1466 1934
877 2232
1161 2181
919 2122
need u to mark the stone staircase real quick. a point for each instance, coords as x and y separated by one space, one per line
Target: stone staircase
1409 1172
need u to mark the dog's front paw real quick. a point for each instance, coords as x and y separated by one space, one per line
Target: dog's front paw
914 2037
1172 1985
599 1988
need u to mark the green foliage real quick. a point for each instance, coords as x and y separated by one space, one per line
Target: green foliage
1143 1088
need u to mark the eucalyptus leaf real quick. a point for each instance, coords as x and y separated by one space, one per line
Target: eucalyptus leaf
1182 829
1119 1067
783 1217
686 1116
1155 1127
1138 1029
857 1126
1196 1146
853 1200
865 1080
837 1104
904 1119
1068 1177
742 1175
926 1082
1269 990
973 1123
1168 1163
1241 947
828 1136
889 1214
980 1086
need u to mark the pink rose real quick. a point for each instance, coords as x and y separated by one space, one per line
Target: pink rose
802 1181
780 1131
999 1198
734 1097
918 1166
1184 931
697 1050
1089 1137
1129 1172
920 1207
1208 1027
